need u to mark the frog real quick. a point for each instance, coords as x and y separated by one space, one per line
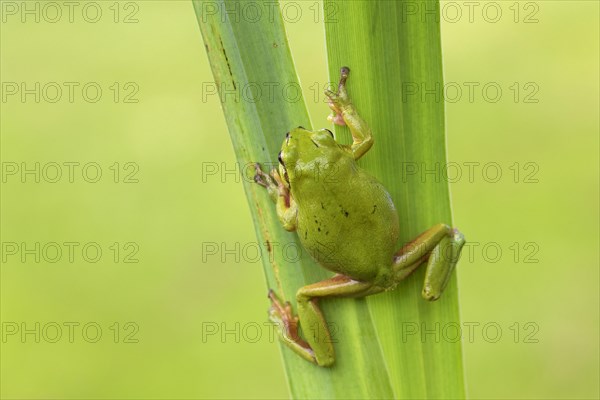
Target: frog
346 220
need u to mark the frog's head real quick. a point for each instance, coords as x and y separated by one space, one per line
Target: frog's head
304 151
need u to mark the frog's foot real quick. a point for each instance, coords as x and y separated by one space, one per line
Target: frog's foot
271 182
287 324
282 316
338 101
261 178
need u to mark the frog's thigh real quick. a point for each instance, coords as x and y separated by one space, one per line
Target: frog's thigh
440 246
338 286
409 257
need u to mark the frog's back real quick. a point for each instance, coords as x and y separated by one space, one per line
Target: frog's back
351 226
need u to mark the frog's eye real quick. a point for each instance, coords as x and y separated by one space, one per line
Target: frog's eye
328 131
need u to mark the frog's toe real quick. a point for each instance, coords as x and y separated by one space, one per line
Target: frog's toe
259 179
275 303
337 101
344 73
258 169
331 95
259 176
262 178
281 314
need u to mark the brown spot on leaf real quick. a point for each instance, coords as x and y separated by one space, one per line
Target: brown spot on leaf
227 61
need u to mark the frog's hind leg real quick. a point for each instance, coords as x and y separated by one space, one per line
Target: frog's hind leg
281 315
440 246
318 347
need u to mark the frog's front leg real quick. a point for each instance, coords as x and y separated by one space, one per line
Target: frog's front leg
317 347
286 207
440 246
345 114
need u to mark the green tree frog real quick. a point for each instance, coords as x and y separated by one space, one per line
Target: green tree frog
347 221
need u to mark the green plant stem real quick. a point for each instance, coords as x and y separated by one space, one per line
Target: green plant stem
372 359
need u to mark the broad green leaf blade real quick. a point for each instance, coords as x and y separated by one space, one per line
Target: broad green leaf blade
393 49
243 55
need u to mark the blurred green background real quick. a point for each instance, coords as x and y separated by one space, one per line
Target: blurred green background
188 321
